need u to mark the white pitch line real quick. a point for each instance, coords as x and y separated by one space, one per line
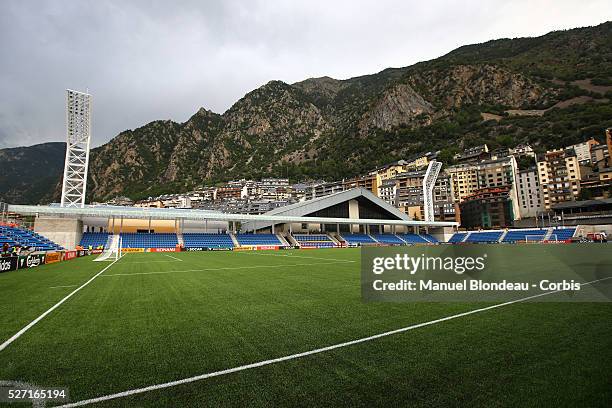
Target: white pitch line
304 354
227 268
42 316
65 286
174 257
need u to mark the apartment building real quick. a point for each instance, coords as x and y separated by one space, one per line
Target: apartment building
559 174
583 150
529 193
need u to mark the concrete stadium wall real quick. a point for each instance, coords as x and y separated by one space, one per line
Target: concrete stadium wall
66 232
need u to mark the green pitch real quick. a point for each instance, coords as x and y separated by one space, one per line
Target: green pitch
154 318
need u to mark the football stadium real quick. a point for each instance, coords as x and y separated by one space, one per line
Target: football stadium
172 307
434 235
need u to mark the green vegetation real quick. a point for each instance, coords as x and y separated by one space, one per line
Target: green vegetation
151 319
332 129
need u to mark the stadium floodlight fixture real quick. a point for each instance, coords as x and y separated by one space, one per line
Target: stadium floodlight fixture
78 136
429 181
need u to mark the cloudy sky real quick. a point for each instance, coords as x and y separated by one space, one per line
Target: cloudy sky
147 60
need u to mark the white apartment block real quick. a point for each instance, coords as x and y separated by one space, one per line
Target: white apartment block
583 150
529 193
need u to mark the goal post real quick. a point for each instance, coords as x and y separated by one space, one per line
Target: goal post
538 239
112 249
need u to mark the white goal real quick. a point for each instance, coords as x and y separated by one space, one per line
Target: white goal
112 249
537 239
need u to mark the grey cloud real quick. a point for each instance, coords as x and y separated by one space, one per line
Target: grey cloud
147 60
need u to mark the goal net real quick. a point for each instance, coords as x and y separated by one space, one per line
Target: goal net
112 249
537 239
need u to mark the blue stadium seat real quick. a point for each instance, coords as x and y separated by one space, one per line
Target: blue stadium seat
457 237
413 238
258 239
314 241
360 239
148 240
94 239
563 234
522 235
204 240
484 237
25 238
390 239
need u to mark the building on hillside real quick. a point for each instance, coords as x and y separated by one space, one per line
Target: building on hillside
150 203
369 182
583 150
203 194
529 193
597 185
467 179
405 191
121 200
487 208
402 166
600 156
228 192
473 154
522 150
387 191
559 174
323 189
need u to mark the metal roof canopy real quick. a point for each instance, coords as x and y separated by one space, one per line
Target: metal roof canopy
188 214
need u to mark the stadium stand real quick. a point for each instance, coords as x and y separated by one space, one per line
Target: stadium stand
391 239
521 235
358 239
202 240
457 237
484 237
413 239
258 239
430 238
17 236
563 234
94 239
314 241
149 240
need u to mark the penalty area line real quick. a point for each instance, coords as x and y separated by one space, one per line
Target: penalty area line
306 353
52 308
174 257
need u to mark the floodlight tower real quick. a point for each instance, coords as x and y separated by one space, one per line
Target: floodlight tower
78 135
429 181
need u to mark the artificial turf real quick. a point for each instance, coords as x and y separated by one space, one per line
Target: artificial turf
151 318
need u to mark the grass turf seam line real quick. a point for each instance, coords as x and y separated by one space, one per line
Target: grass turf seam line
288 255
227 268
188 380
52 308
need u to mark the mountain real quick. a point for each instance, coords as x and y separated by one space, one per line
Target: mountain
30 174
549 91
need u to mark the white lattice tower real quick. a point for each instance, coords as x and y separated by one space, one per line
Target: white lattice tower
78 135
429 181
